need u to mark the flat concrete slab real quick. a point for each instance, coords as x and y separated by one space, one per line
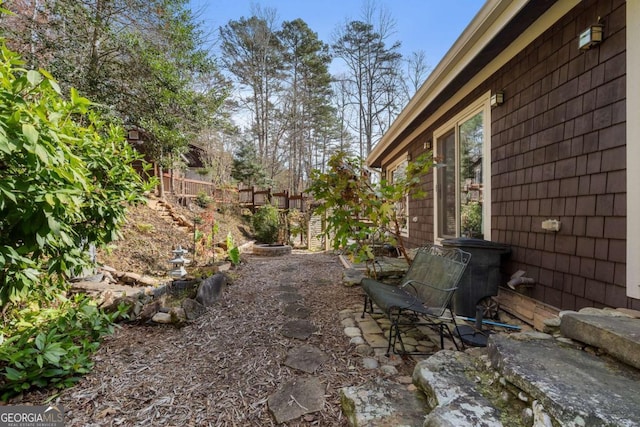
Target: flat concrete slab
618 336
296 398
305 358
299 329
382 402
576 388
453 397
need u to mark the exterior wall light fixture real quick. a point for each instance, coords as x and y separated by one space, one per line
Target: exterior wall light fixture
590 37
497 98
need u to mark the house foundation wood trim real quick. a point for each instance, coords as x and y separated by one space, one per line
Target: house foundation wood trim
525 308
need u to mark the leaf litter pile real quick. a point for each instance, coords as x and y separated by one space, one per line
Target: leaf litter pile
221 369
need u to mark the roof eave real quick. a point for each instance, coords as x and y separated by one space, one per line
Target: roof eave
488 22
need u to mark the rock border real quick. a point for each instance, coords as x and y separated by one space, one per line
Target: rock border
271 250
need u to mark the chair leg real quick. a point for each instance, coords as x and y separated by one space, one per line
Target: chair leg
393 333
455 328
364 310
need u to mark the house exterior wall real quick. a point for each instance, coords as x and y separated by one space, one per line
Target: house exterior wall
558 151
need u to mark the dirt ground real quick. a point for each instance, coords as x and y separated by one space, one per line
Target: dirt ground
148 237
221 369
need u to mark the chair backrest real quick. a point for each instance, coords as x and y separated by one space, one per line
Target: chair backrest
434 275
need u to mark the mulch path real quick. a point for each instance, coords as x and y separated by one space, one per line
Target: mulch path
221 369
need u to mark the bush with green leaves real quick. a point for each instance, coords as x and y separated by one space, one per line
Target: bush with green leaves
266 224
66 177
40 348
203 200
358 210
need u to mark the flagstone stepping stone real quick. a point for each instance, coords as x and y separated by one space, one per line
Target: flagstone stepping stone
296 398
289 297
299 329
306 358
352 332
296 310
287 288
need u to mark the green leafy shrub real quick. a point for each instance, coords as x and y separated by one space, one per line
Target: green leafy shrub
232 250
203 200
266 224
40 348
471 219
66 178
357 210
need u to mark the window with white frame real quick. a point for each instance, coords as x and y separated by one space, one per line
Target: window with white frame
462 175
397 171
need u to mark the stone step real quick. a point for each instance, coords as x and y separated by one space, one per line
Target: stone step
454 398
617 336
382 402
575 388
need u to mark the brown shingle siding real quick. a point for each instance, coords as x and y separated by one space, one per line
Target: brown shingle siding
617 182
615 227
558 150
601 249
593 162
610 92
598 183
595 290
585 247
604 271
595 226
604 205
615 296
613 136
615 44
586 205
566 168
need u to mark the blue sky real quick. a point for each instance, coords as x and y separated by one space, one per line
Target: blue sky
429 25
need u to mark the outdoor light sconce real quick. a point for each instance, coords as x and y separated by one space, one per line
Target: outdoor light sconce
591 36
497 98
427 144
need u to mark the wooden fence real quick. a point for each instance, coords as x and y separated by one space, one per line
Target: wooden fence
191 188
253 198
248 197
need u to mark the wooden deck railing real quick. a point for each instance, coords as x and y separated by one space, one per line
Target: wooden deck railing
252 198
248 197
191 188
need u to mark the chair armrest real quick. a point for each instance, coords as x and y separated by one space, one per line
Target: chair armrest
412 282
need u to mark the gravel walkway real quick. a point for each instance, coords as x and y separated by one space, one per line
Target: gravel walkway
221 370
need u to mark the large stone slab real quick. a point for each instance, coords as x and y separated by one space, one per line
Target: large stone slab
210 289
352 277
296 398
306 358
618 336
576 388
381 402
453 398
